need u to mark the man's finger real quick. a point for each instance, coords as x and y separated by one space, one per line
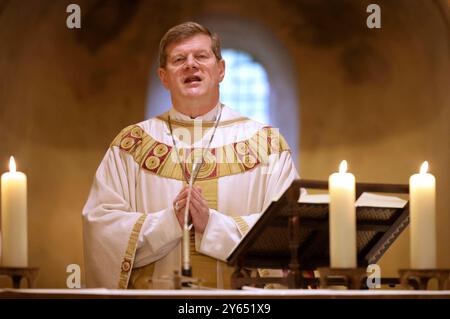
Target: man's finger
202 199
181 203
181 195
200 205
197 197
198 194
195 202
195 206
198 189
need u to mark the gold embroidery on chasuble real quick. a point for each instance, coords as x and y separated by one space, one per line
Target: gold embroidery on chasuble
160 159
234 158
127 261
205 267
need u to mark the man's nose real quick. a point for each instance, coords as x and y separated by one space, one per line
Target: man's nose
191 62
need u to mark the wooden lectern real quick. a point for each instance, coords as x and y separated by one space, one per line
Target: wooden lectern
294 236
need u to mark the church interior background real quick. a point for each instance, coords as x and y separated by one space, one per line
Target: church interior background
377 97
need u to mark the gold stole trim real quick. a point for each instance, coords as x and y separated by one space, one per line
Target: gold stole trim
242 225
209 191
128 259
203 266
235 158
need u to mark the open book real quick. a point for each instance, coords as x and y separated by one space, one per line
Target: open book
365 200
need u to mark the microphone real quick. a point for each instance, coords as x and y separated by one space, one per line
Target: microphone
186 268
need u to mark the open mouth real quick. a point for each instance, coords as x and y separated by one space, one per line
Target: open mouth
192 79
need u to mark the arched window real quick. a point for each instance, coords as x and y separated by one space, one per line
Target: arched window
245 87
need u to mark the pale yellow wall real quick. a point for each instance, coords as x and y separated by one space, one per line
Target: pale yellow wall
377 98
385 126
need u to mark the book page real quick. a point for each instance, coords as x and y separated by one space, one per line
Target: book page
365 200
373 200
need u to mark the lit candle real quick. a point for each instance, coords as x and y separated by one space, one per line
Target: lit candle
422 194
342 218
14 217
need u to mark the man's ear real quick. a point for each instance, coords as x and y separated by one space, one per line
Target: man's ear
221 70
162 73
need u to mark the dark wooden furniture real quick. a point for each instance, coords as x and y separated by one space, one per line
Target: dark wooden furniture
419 278
295 237
17 273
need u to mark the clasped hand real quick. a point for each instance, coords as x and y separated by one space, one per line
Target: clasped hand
198 208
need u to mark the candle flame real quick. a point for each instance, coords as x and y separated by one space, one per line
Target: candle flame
424 167
12 164
343 167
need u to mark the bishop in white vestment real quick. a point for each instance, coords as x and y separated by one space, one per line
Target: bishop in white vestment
132 219
131 232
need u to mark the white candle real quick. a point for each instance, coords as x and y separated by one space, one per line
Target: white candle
14 217
422 195
342 218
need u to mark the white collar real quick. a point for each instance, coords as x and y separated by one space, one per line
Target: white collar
210 116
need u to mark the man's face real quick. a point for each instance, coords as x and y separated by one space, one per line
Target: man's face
192 70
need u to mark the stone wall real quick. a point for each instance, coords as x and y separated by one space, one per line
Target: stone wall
378 98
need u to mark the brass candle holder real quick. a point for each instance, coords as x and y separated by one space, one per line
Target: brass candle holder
17 273
352 278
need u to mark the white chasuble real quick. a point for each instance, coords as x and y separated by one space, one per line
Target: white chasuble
129 226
